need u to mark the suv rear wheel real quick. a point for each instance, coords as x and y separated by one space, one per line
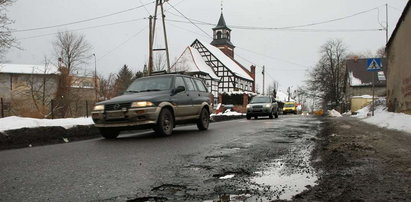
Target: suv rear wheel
204 120
109 133
165 123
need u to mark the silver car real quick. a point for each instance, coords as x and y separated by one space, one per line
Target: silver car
262 106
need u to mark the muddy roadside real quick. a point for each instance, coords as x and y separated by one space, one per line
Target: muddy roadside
360 162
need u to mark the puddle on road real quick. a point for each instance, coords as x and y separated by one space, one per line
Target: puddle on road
284 178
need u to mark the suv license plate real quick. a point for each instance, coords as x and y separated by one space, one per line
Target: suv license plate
115 115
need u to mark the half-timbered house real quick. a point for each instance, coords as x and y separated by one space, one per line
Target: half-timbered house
215 63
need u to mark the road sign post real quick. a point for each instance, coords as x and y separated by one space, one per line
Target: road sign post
374 65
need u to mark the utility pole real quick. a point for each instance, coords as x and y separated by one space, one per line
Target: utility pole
263 80
150 39
95 76
152 28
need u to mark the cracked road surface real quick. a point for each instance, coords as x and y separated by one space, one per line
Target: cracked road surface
239 160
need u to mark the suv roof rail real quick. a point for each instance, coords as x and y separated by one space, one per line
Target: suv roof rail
158 72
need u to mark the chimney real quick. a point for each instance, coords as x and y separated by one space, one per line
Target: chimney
252 68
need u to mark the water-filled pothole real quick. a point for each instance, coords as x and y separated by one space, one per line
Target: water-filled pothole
284 178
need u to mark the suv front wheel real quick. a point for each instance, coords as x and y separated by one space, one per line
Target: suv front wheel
204 120
165 123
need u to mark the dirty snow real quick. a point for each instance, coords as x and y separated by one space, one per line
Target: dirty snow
333 113
385 119
228 112
14 122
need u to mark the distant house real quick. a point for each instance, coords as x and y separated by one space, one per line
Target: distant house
27 90
358 89
215 63
399 65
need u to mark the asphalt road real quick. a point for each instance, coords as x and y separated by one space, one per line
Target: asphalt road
139 165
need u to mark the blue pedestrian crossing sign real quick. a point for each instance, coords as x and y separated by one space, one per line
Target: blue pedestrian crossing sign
374 64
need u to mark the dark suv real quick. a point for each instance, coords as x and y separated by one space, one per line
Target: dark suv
158 102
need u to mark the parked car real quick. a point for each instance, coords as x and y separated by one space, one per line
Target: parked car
158 102
262 106
290 107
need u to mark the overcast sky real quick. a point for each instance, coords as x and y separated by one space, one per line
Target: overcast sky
286 54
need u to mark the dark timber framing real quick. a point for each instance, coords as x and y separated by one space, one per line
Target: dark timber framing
229 81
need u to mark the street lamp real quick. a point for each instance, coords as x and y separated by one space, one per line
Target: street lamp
95 74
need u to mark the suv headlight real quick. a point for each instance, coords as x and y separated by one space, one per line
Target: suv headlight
248 106
98 108
268 105
142 104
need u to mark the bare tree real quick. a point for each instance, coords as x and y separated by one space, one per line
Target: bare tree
160 62
72 51
107 86
6 39
328 76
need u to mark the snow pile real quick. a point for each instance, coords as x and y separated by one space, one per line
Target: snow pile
390 120
333 113
228 112
14 122
385 119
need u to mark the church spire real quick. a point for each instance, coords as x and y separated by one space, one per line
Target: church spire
222 37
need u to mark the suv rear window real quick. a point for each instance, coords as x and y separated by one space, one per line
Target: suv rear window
200 85
190 84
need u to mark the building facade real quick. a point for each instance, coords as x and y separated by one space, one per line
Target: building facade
399 65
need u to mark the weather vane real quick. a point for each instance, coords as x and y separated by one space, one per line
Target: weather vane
221 5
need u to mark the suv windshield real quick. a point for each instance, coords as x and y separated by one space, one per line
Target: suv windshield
261 100
150 84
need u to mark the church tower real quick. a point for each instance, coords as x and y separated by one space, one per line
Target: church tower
222 37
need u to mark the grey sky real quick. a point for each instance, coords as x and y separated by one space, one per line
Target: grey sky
286 54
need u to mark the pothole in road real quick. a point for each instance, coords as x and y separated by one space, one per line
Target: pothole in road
148 199
284 178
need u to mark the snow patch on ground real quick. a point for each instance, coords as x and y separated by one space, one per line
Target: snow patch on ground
228 112
334 113
385 119
15 122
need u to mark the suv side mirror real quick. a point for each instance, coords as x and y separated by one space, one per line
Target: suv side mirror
179 89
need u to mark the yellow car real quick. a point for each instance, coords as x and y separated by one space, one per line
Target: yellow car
290 107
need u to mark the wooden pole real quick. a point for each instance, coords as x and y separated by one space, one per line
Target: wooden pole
165 37
150 39
2 108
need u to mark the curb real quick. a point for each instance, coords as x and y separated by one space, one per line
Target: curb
30 137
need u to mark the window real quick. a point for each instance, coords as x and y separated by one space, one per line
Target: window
200 85
218 35
178 82
190 84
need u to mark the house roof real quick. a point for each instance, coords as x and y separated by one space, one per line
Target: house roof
400 20
227 61
191 61
28 69
358 74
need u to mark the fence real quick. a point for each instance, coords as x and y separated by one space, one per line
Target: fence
55 108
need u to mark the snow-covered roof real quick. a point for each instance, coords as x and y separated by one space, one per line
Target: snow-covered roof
28 69
227 61
191 61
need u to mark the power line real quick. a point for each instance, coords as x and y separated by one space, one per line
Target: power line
189 20
121 44
84 28
290 27
81 21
